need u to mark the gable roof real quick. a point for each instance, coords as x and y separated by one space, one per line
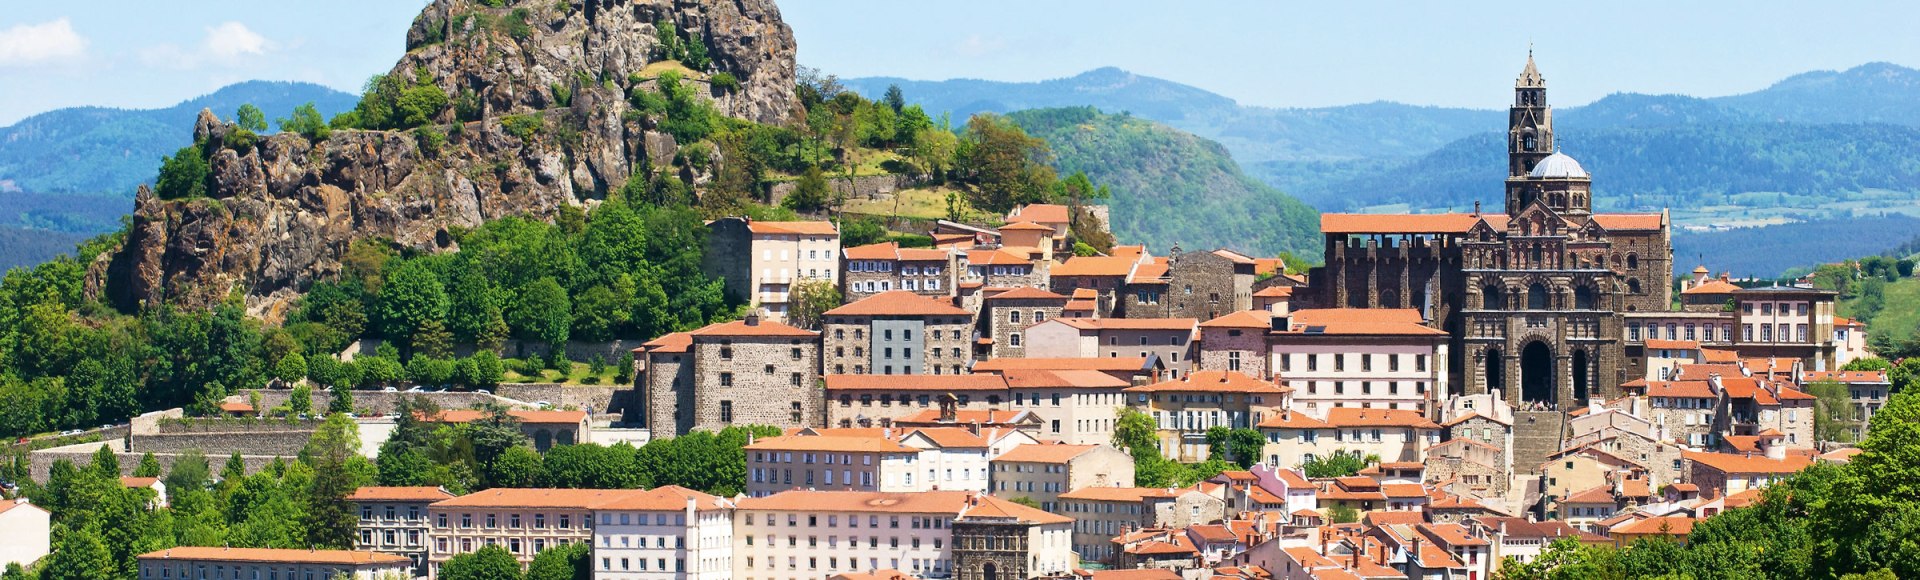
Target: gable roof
669 343
399 493
973 382
1363 417
1620 222
1040 213
1242 319
897 302
666 498
1732 463
810 228
995 257
1096 266
1045 453
1437 223
1211 382
1040 378
1107 364
765 327
1026 226
275 556
1358 321
1027 293
1846 376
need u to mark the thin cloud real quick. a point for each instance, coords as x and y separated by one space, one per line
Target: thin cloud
976 45
47 42
231 40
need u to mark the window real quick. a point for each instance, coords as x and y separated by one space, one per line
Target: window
1013 339
1013 316
726 379
726 411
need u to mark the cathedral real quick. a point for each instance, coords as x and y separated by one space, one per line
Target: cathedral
1533 296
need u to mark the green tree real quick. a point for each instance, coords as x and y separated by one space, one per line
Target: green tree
811 299
1340 463
810 193
518 466
860 232
332 519
183 175
1134 430
149 466
1007 166
590 466
542 312
895 99
1341 513
623 369
1241 446
487 563
251 118
342 400
306 121
79 555
1832 411
474 307
562 562
487 370
1871 363
189 472
105 464
432 340
411 295
300 400
292 368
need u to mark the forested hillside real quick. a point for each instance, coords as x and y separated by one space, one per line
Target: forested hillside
1771 251
1170 187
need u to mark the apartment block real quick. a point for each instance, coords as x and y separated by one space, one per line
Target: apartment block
934 534
759 262
270 564
898 333
393 520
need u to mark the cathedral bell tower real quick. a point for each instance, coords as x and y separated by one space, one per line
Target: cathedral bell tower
1529 122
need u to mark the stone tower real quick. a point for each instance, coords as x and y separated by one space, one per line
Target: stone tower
1529 128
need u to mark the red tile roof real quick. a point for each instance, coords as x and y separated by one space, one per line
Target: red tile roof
995 257
1026 293
897 302
1669 525
1673 344
670 343
1129 323
1602 493
880 251
1096 266
1274 292
764 327
1359 417
1681 389
1359 321
960 503
276 556
1212 382
1846 376
1732 463
1290 419
1440 223
950 437
1026 226
1046 213
1629 221
973 382
964 417
1044 453
1083 379
831 443
392 493
1242 319
1712 287
666 498
810 228
531 497
1108 364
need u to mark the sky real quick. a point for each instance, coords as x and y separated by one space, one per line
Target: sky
142 53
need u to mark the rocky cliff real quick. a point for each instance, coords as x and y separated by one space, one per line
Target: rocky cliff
549 81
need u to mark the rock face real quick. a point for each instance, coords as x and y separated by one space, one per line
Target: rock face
282 210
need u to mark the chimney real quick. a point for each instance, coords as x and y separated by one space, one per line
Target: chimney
1476 208
753 317
1282 322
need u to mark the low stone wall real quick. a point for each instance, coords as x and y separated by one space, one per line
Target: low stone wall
224 443
373 402
581 351
40 462
863 187
233 424
597 399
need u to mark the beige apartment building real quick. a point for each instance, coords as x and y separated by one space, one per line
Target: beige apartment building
1074 406
665 533
1043 472
1169 339
1359 357
1294 437
859 461
270 564
523 521
393 520
759 262
885 267
1185 408
803 534
897 333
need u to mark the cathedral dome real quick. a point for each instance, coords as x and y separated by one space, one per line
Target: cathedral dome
1558 166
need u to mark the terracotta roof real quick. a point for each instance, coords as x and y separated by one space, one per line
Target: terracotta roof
1452 534
974 382
1274 292
1078 305
830 443
1840 455
1602 493
1290 419
1242 319
666 498
1067 363
1670 525
1714 355
897 302
1846 376
1096 266
138 482
1152 272
1747 388
1292 478
764 327
1744 498
924 255
1084 379
1026 226
1844 321
951 437
1359 321
1044 453
534 497
236 407
1085 294
1359 417
1700 372
1673 344
1635 488
960 503
1040 212
672 342
966 417
1100 493
1129 323
1266 265
1712 287
1471 414
880 251
1791 394
1439 223
276 556
540 417
1681 389
393 493
1742 463
1629 221
1135 574
1520 528
1026 293
811 228
995 257
1211 382
8 504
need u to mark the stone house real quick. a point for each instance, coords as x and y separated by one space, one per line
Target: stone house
1478 468
885 267
1103 275
1005 315
1236 342
1183 409
1167 339
1682 410
744 372
1002 268
760 261
1199 285
1868 391
1734 473
897 333
1043 472
879 400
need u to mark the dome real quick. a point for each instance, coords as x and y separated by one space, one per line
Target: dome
1558 166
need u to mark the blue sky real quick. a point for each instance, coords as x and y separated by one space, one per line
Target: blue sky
146 54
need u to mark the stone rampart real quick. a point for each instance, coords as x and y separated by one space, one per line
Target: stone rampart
224 443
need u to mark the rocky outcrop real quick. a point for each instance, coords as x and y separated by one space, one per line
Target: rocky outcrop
282 210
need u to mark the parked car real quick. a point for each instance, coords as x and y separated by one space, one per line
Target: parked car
389 390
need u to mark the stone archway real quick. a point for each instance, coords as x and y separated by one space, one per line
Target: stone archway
988 571
1536 373
1496 370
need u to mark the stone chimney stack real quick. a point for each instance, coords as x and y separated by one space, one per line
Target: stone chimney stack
753 317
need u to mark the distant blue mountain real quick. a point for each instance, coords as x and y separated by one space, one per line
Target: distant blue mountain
102 150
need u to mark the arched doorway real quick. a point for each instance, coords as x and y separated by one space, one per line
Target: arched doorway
1580 377
1536 373
1537 296
989 572
1496 371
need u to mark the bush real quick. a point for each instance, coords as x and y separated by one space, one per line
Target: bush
183 175
522 126
430 140
562 96
517 26
725 82
306 121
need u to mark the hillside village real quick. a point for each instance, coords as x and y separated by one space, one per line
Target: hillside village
458 338
1447 395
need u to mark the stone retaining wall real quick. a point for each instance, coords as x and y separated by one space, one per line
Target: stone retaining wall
579 351
863 187
42 461
224 443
